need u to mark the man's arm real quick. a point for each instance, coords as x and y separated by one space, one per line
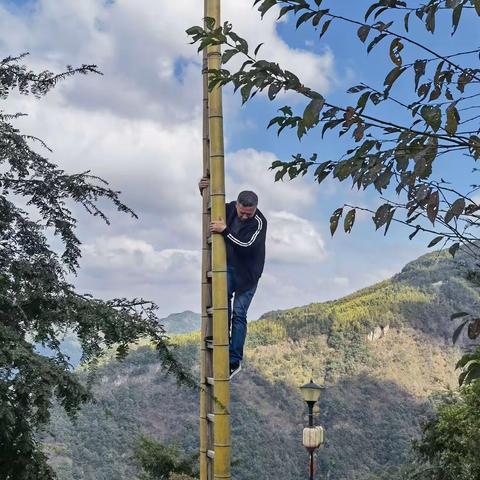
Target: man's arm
245 241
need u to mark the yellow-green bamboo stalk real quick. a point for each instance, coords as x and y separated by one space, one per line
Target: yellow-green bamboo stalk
219 278
205 299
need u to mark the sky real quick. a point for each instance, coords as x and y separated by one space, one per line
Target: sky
139 126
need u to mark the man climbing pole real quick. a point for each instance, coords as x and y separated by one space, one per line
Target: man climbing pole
244 231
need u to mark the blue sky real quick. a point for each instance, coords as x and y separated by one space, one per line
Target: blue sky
140 127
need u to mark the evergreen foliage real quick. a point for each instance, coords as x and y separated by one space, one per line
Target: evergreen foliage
377 392
37 303
450 441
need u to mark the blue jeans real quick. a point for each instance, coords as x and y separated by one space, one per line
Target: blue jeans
237 319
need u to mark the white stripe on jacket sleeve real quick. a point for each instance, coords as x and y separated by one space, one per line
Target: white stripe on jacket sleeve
254 236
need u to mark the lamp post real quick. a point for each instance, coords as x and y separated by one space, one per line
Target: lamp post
313 437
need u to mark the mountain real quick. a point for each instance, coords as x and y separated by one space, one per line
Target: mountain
184 322
381 353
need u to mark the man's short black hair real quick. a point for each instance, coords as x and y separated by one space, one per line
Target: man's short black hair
247 198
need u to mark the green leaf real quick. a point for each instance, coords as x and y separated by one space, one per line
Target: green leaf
476 4
349 221
393 75
286 110
417 229
304 17
432 206
430 20
257 49
453 118
435 241
265 6
458 331
381 215
395 48
419 67
432 116
228 54
455 210
474 329
273 89
405 20
285 10
375 41
453 249
312 112
325 27
458 315
457 13
356 89
318 16
194 30
334 220
363 32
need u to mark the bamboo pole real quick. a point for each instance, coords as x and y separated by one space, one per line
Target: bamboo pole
205 284
219 263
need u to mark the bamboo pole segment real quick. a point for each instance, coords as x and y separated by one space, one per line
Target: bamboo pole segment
205 300
221 371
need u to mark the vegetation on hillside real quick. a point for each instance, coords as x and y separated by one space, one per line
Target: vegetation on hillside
377 392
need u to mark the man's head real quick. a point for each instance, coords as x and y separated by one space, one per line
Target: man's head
247 202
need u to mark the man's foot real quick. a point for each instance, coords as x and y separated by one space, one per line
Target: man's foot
234 369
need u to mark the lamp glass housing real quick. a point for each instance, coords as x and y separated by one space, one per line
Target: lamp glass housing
311 392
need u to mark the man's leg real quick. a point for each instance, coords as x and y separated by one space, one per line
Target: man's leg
230 290
241 303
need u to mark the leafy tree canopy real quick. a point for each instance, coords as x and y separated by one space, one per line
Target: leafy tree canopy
164 462
422 109
450 442
37 303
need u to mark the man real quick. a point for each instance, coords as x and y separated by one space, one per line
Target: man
244 231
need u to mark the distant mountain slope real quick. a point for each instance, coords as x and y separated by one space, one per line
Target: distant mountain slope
184 322
377 390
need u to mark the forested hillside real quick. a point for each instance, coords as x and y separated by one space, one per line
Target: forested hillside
381 352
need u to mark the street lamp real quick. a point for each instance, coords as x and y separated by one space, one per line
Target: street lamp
313 437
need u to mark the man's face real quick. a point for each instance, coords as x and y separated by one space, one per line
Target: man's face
244 213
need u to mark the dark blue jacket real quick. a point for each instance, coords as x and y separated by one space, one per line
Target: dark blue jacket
246 249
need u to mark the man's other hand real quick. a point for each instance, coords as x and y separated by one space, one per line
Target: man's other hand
218 226
203 183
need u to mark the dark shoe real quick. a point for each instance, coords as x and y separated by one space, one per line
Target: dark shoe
234 369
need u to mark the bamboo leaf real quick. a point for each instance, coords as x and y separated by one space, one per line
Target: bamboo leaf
458 315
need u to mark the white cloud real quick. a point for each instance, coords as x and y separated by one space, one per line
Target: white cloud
294 240
247 169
